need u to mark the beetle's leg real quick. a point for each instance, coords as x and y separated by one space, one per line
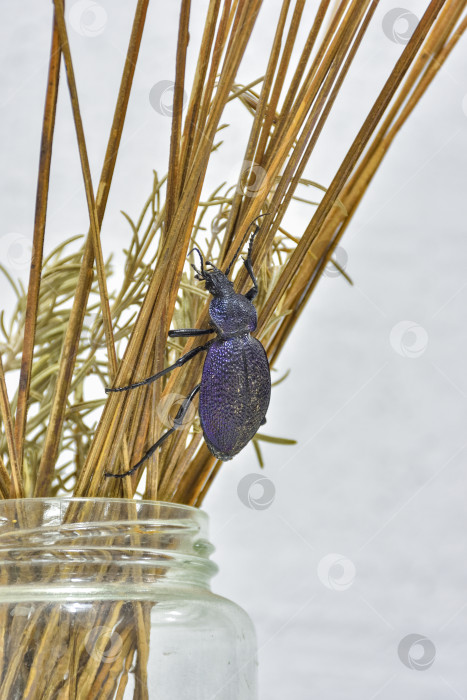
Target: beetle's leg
178 421
248 264
189 332
254 290
181 361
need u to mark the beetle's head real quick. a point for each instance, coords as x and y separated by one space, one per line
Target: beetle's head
215 280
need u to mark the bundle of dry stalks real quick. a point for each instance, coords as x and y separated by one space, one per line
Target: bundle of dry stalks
58 345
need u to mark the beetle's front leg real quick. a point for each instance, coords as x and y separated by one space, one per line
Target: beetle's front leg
249 266
254 290
190 332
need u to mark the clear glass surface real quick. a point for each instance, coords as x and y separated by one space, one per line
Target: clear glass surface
110 598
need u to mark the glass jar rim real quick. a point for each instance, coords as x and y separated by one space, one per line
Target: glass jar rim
112 499
165 542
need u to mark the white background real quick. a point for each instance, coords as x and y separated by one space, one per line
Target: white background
377 475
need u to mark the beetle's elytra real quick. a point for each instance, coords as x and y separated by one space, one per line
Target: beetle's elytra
235 387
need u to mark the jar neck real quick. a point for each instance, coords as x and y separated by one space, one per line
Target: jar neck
114 543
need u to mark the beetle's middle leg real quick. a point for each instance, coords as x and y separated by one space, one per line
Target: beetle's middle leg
181 361
178 422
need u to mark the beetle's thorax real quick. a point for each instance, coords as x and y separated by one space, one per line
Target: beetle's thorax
233 314
217 283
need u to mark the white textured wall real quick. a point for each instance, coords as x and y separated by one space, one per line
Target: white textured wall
371 501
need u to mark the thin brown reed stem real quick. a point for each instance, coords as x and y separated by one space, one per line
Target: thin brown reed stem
179 92
5 483
191 119
173 478
96 215
152 322
16 486
277 87
352 156
70 348
433 53
38 242
93 215
12 668
88 673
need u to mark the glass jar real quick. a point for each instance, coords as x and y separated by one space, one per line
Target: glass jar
110 598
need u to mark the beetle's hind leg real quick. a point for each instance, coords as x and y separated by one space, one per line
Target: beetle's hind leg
181 361
178 422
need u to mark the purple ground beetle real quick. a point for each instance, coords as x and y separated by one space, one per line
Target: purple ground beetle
235 386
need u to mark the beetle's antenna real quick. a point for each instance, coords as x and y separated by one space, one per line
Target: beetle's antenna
241 244
202 273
